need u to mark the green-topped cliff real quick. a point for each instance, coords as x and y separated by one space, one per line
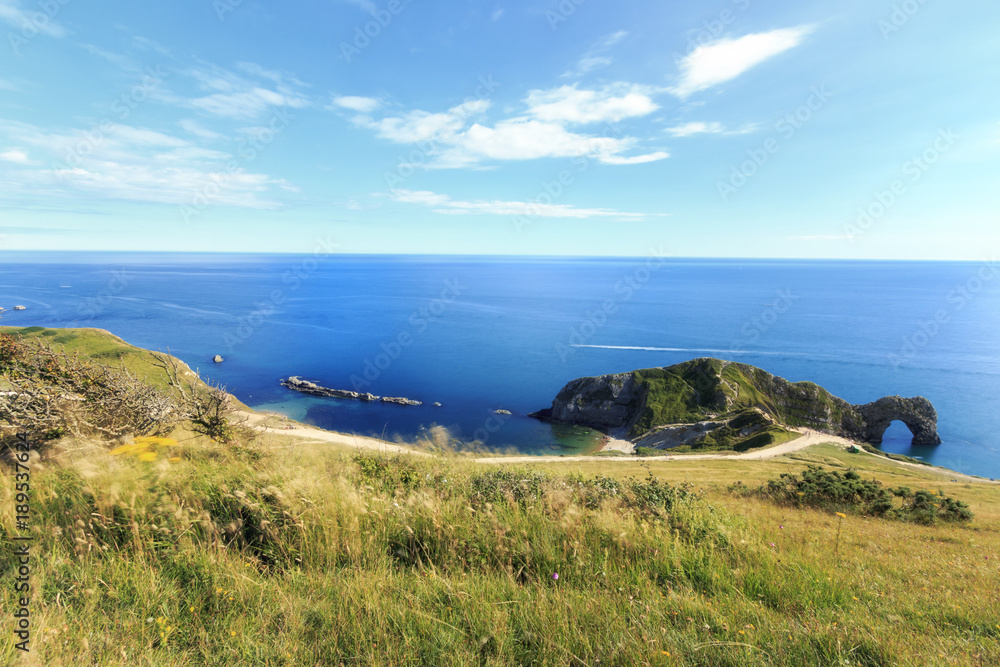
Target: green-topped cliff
728 403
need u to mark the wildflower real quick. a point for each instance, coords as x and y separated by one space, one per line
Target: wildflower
191 609
233 633
841 515
555 576
666 653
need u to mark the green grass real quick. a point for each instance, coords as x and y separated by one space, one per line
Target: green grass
315 555
283 552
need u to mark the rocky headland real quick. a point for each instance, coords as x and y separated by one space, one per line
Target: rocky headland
719 404
296 383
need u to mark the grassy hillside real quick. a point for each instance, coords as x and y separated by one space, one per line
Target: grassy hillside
286 552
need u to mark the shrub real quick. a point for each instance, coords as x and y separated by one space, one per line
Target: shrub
847 492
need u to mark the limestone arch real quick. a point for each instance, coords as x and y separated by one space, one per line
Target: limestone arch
916 413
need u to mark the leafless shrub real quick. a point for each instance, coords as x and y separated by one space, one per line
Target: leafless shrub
48 393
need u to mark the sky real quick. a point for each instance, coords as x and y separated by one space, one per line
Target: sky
730 128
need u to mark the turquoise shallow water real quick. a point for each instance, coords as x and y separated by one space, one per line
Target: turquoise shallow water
481 334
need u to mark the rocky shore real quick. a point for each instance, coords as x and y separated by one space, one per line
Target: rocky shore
296 383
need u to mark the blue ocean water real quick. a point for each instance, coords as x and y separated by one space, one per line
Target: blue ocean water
478 334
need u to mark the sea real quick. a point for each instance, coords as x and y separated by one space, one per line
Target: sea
486 334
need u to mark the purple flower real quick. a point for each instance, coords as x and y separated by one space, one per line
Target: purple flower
555 576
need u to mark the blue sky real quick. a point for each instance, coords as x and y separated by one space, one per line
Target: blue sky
733 128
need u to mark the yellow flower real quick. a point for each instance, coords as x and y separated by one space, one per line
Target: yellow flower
233 633
191 609
666 653
841 515
147 456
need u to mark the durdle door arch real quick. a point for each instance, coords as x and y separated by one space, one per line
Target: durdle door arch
917 413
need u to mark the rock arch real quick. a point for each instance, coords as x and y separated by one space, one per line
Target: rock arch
917 413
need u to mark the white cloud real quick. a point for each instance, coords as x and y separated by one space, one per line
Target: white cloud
695 127
356 103
14 155
532 140
568 104
637 159
458 138
446 205
496 15
419 125
724 59
11 13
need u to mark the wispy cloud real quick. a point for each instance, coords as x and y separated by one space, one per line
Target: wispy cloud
446 205
128 163
12 13
725 59
198 130
232 95
596 56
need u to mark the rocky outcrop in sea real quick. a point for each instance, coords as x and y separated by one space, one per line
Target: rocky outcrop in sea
296 383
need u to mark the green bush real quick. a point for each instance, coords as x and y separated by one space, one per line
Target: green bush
848 493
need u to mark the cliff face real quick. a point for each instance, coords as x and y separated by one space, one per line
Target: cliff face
644 401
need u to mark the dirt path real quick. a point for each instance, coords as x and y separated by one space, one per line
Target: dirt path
809 437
